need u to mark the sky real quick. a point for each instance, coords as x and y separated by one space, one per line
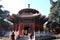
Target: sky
43 6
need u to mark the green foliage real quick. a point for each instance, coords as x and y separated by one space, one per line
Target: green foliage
4 25
3 14
54 17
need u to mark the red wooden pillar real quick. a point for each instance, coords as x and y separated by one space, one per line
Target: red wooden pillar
41 27
21 29
32 25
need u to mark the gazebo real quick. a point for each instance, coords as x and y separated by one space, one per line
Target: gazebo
27 20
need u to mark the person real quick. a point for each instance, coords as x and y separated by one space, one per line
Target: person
12 36
31 36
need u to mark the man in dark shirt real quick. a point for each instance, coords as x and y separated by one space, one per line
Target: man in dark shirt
13 36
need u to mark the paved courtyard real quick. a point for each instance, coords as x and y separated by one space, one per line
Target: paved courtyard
3 38
18 39
21 39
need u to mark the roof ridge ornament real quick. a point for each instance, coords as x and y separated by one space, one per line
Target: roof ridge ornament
28 5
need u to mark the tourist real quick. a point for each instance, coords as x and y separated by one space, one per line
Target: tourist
12 36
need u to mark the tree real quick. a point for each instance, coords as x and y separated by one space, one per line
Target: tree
3 15
54 16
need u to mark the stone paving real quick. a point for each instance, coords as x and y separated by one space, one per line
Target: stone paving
22 38
4 38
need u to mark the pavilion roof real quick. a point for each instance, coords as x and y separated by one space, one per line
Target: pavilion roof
28 10
26 16
42 17
15 17
22 14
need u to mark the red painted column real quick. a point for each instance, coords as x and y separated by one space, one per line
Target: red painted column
38 27
21 29
32 25
41 27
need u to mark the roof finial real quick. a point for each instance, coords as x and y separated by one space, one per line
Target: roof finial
28 5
